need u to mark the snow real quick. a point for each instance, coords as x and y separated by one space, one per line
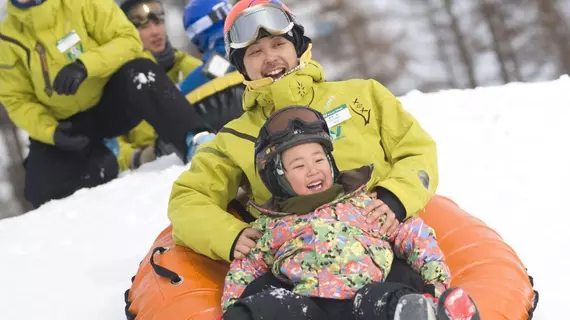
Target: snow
141 79
502 156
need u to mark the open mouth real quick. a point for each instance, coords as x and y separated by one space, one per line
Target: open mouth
157 43
315 186
275 73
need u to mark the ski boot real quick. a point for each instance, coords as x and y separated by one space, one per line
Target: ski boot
454 304
415 306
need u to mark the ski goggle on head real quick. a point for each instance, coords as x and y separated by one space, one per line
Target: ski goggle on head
144 12
288 127
219 13
246 26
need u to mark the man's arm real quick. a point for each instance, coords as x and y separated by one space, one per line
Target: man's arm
119 39
410 150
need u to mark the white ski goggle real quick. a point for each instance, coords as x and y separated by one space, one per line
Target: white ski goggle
245 29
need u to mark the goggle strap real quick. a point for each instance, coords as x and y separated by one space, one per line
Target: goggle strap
219 13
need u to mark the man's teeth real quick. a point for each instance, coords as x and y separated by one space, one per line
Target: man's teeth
275 72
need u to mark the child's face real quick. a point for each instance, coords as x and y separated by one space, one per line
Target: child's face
307 168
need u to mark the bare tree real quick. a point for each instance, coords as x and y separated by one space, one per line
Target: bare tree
440 44
556 29
493 16
461 43
351 37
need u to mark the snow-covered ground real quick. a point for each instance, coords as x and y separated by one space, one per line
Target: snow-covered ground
502 156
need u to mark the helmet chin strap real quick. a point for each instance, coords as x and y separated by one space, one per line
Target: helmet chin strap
286 187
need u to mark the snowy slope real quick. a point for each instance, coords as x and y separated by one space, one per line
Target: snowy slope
502 156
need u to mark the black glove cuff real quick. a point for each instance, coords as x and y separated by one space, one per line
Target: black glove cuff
392 201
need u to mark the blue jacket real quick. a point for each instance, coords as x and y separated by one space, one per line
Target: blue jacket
197 77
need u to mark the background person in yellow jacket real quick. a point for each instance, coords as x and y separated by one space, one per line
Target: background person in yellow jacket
138 146
367 124
70 77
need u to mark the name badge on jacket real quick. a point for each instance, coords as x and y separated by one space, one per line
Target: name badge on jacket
70 45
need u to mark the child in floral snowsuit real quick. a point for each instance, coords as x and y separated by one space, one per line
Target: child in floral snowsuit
315 236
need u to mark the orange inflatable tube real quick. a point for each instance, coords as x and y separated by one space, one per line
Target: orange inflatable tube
175 283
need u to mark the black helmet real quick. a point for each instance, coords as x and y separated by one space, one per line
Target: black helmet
284 129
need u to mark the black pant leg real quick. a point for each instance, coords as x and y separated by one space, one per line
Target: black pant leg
52 173
377 301
140 90
401 272
265 282
275 304
335 309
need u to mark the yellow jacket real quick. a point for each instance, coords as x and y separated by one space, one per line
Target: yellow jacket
379 131
30 59
143 134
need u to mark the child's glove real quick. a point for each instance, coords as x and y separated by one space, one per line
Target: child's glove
65 138
194 141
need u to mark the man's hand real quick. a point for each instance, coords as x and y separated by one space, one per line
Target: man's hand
65 139
375 210
69 78
246 242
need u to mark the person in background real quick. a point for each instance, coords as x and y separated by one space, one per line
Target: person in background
140 145
204 25
71 76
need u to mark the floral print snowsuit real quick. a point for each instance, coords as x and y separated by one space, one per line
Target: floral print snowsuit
332 251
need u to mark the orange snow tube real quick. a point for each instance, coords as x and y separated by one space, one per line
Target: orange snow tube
175 283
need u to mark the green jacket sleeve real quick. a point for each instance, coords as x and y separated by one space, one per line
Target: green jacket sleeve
118 38
198 201
409 149
18 97
126 151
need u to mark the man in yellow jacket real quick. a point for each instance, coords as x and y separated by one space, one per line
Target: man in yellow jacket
138 146
367 123
70 77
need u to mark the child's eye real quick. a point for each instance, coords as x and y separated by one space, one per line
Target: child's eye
280 44
320 160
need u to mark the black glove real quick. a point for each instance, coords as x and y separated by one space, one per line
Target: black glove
69 78
65 139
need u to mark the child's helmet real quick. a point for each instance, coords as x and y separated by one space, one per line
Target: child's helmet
284 129
204 21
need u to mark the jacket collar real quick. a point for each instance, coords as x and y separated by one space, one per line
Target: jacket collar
38 17
295 88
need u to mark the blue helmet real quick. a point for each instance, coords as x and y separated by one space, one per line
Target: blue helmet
204 21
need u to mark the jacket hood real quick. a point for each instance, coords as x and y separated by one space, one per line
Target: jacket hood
38 17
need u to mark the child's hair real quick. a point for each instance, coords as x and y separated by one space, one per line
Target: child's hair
284 129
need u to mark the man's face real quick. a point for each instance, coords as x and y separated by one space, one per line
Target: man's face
270 57
153 36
